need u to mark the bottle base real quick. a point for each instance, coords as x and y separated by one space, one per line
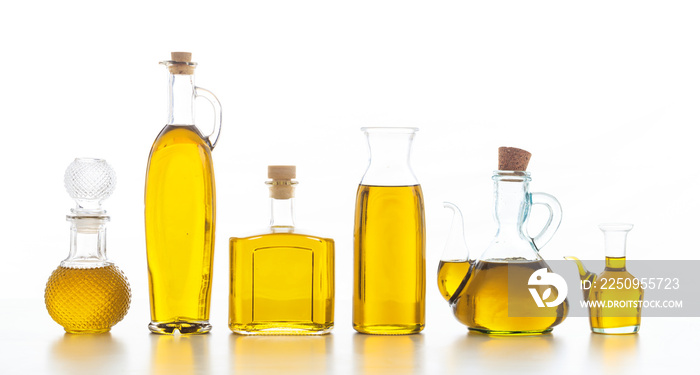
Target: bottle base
617 330
510 333
281 329
87 331
389 329
185 328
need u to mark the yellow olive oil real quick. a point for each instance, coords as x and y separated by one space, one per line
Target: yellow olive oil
608 289
88 300
483 304
450 276
180 218
389 285
281 283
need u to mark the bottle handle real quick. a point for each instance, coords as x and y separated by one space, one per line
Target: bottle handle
211 98
555 215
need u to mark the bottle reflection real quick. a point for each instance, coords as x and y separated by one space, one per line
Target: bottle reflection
378 354
179 354
503 353
613 351
281 354
93 354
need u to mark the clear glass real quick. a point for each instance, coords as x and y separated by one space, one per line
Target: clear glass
389 239
180 212
481 300
282 281
87 293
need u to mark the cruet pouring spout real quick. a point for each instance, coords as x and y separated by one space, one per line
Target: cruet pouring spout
454 262
587 277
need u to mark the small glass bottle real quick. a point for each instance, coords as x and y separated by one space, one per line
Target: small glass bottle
87 293
616 320
389 239
282 281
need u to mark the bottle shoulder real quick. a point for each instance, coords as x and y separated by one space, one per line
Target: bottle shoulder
295 237
179 134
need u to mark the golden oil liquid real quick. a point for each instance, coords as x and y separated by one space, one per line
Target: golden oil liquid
180 217
389 287
483 304
87 300
615 319
281 284
450 276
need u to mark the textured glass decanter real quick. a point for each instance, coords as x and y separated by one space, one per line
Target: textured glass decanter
87 293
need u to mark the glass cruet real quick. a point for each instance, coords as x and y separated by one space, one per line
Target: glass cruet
87 293
389 239
606 315
493 296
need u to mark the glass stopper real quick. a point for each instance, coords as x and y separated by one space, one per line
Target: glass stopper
89 181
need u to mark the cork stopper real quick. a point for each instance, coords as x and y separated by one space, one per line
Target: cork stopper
181 56
282 184
512 159
181 63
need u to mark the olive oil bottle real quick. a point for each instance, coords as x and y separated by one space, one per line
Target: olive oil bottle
88 293
180 209
282 280
389 239
509 289
615 295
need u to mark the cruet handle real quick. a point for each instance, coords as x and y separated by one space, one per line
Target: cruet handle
553 222
211 98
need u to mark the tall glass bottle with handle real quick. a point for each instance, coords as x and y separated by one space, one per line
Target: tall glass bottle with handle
180 212
389 285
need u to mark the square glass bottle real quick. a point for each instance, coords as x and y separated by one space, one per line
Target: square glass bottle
281 281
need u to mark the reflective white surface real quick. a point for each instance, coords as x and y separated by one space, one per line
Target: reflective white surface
32 343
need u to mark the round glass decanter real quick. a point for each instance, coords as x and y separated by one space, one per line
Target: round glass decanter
87 293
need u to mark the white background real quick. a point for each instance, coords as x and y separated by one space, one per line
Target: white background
603 93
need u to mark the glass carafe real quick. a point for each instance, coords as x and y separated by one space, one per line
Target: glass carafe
494 296
87 293
180 209
389 239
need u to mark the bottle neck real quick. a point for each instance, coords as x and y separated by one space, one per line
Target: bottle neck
615 263
88 242
615 236
181 95
282 214
389 157
511 205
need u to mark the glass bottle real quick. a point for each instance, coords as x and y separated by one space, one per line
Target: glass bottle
282 280
180 209
606 314
389 244
509 289
87 293
495 297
